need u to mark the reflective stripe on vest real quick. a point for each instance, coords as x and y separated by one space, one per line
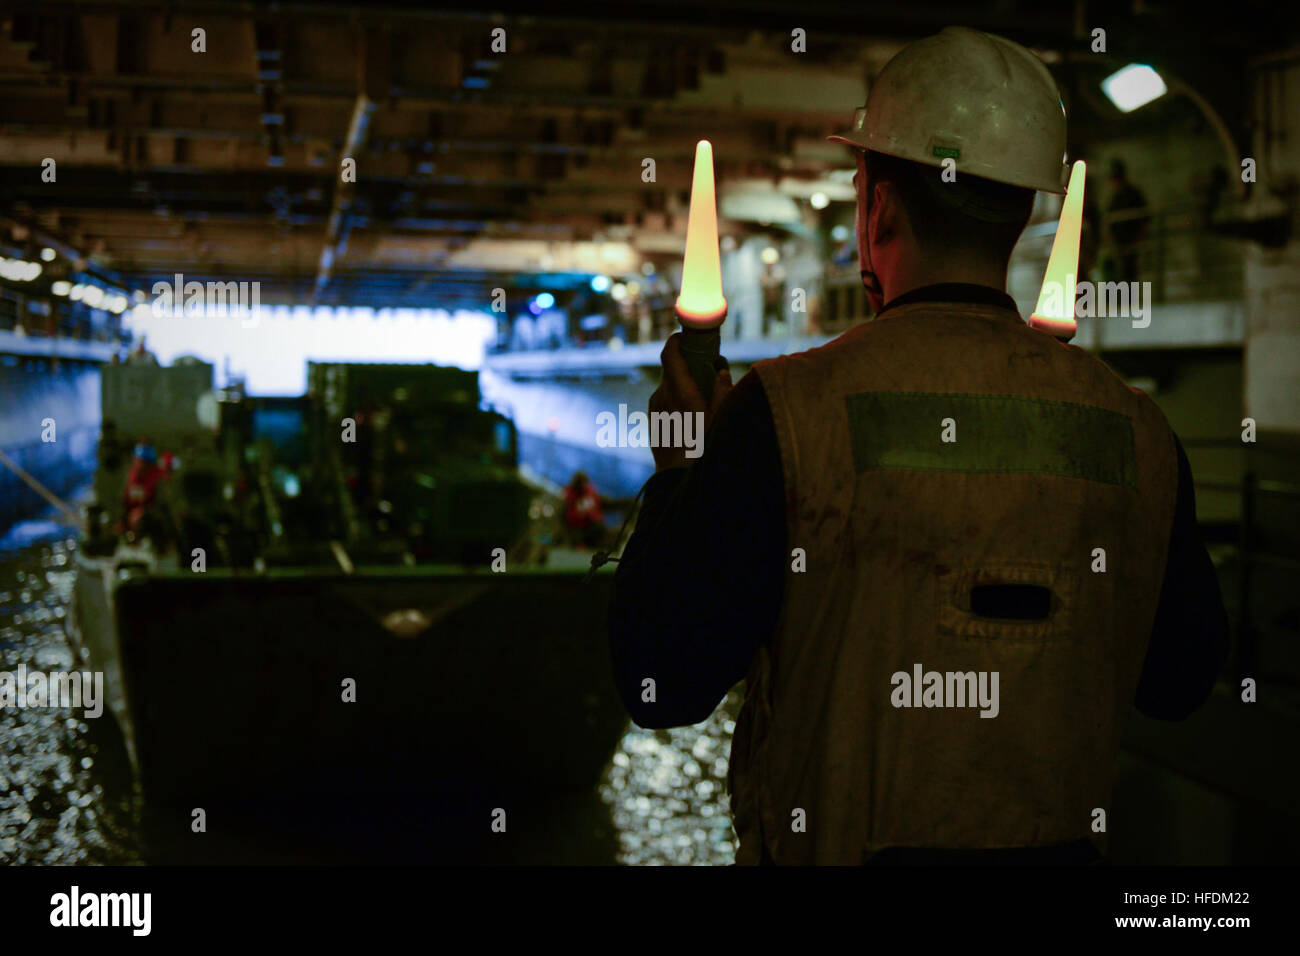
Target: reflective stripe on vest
949 668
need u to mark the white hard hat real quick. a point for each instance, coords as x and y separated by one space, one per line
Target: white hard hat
979 99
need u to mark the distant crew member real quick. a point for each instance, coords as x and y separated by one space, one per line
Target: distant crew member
1128 225
362 479
142 490
947 551
584 516
140 355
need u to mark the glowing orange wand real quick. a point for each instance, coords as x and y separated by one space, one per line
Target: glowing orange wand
701 307
1054 313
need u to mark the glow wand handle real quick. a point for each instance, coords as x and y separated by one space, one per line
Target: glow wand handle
702 350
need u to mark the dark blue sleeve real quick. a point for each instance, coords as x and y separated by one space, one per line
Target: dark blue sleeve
1189 642
700 582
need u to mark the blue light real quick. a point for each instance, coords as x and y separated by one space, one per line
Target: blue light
545 300
599 283
534 308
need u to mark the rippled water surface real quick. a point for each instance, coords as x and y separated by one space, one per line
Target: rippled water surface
66 796
61 796
666 790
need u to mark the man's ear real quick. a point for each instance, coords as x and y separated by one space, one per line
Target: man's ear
884 222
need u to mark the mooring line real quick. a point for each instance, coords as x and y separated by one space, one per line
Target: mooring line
39 488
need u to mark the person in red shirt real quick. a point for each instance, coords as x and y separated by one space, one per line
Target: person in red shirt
584 518
142 486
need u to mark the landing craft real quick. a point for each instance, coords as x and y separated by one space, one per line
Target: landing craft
279 563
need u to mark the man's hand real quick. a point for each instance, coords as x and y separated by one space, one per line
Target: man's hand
677 392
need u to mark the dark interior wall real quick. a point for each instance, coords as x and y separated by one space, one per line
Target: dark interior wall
1200 393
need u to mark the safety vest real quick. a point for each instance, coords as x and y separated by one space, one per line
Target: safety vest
937 451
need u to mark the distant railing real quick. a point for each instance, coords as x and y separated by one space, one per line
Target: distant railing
1250 555
1179 253
47 321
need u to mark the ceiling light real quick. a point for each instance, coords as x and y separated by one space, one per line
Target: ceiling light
1132 86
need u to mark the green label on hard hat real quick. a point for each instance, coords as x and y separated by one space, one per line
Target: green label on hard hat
947 152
